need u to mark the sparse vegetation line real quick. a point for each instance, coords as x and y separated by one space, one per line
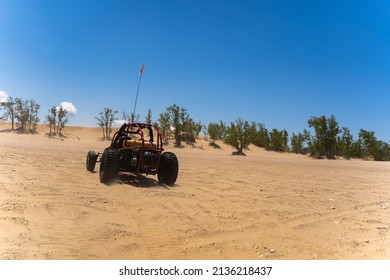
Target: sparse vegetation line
323 138
23 113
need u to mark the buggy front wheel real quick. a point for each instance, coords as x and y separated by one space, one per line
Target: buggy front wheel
168 169
109 166
91 160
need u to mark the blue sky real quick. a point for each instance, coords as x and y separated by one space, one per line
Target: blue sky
274 62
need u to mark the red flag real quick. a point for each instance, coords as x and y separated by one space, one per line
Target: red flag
142 69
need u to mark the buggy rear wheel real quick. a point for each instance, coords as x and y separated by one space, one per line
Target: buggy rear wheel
91 160
168 169
109 166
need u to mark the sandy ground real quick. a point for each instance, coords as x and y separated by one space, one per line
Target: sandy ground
266 205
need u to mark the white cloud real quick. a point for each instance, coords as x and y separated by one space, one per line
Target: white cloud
68 106
118 122
3 96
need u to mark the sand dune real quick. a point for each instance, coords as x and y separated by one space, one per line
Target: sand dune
266 205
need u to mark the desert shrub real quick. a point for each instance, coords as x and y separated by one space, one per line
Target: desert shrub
238 135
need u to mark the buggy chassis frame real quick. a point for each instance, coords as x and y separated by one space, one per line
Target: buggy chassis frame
121 140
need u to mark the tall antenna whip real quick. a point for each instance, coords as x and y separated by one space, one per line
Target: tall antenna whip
139 83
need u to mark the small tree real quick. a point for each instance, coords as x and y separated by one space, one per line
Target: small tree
148 118
345 143
33 118
260 136
368 143
382 151
178 117
197 128
105 120
22 112
278 140
216 131
191 130
164 125
238 135
297 143
301 143
130 118
133 117
221 130
368 147
62 119
9 111
325 140
213 132
52 120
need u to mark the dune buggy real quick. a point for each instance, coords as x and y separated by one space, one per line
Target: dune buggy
135 148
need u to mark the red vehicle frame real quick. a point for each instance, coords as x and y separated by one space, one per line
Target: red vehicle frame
131 152
131 129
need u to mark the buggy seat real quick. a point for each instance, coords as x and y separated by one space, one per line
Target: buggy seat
137 144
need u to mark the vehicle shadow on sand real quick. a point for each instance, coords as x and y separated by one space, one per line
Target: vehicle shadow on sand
140 181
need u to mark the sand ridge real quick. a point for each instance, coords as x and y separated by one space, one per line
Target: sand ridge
266 205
